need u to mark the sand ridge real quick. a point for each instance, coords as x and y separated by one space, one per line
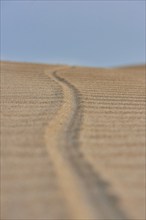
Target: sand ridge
68 180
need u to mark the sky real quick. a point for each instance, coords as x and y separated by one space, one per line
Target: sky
86 33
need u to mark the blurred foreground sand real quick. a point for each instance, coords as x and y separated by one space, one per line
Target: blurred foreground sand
72 142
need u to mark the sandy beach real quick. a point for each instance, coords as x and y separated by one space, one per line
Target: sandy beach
72 142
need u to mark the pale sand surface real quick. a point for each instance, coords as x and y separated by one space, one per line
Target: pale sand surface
72 142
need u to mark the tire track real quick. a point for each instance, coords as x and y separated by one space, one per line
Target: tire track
86 193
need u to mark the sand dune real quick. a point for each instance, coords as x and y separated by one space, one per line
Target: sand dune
73 142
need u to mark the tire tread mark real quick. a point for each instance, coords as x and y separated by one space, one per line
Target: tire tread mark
103 204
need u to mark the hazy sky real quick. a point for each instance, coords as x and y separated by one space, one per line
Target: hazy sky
91 33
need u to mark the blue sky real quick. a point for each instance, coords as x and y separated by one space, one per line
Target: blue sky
89 33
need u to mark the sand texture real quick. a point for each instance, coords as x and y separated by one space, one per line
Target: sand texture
72 142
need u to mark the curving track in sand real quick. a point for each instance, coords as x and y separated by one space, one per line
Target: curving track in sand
85 191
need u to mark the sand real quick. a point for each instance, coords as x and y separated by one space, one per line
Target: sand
72 142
